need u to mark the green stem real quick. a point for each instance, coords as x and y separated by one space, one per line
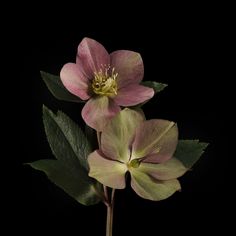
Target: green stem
99 139
110 210
108 201
109 220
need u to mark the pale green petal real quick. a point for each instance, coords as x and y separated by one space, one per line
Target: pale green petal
156 137
118 135
108 172
171 169
150 188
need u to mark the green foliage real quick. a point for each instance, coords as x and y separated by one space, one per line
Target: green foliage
71 149
189 151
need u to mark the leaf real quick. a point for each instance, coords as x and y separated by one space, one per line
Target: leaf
63 134
71 148
72 183
158 87
56 87
189 151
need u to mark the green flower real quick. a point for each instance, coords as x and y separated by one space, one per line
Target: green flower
145 149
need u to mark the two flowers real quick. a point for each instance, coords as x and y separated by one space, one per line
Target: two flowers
129 143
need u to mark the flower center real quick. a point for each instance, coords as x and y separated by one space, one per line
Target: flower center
134 163
104 82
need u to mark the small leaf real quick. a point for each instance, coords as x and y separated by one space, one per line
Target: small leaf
56 87
72 183
189 151
158 87
71 148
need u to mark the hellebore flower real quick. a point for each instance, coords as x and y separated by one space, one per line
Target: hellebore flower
129 143
106 81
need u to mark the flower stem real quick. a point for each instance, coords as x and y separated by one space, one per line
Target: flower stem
108 201
99 139
110 211
109 220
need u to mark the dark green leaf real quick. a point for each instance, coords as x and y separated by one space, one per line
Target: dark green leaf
71 148
189 151
63 134
72 183
158 87
56 87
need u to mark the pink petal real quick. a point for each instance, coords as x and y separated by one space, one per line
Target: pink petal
117 137
91 55
98 111
108 172
133 94
75 81
128 65
157 138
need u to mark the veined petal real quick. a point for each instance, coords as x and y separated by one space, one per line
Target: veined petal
156 158
118 135
128 65
98 111
75 81
152 189
156 137
108 172
133 94
171 169
92 56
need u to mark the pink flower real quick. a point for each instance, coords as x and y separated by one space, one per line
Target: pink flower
107 81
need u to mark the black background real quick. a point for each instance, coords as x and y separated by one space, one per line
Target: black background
183 50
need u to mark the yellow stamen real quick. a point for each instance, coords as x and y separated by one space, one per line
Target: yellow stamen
104 82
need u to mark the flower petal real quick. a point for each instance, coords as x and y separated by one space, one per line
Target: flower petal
171 169
117 137
158 137
128 65
75 81
91 55
156 158
133 94
98 111
108 172
152 189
